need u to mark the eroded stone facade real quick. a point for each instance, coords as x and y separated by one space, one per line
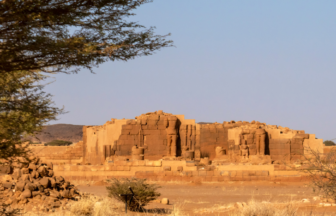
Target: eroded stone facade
158 135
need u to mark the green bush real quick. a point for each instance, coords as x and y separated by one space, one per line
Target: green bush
329 143
143 192
58 143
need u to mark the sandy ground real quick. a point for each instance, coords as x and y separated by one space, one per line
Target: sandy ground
209 198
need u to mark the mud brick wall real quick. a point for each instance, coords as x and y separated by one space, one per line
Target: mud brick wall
280 149
211 136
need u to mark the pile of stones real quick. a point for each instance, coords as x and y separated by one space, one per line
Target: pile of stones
35 183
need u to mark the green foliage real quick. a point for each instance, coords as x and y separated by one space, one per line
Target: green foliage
58 143
50 36
66 35
144 192
24 109
329 143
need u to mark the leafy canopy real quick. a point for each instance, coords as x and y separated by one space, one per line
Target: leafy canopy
66 35
24 109
50 36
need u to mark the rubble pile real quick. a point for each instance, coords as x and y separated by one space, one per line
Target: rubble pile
35 183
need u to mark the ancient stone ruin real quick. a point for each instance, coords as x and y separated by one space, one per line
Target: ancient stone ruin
165 146
163 135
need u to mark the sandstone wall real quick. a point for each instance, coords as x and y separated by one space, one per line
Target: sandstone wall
60 154
96 139
166 135
180 171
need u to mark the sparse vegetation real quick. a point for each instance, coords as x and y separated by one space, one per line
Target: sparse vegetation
144 192
322 172
254 208
329 143
84 207
58 143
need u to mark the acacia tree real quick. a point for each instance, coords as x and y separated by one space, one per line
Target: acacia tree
59 36
24 109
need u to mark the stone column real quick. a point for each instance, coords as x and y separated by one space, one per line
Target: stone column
260 141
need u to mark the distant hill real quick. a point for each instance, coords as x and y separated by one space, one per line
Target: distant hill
67 132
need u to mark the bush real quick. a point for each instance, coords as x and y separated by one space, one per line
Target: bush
329 143
321 170
58 143
144 192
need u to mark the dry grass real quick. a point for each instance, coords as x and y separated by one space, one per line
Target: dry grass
84 207
254 208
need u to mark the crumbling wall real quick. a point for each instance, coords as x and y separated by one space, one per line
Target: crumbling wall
166 135
211 136
60 154
96 139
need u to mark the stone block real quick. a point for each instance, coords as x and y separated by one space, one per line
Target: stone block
126 168
159 173
176 173
74 168
150 173
215 179
120 168
141 163
208 178
190 163
217 173
239 173
265 173
195 173
168 173
119 163
152 127
167 168
157 163
210 173
202 173
180 168
233 173
224 173
252 173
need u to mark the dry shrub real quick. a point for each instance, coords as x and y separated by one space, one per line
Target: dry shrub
255 208
144 192
84 207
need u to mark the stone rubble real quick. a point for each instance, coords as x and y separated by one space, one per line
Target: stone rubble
34 184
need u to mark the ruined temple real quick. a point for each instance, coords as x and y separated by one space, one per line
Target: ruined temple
159 135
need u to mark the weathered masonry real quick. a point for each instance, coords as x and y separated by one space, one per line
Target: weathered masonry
158 135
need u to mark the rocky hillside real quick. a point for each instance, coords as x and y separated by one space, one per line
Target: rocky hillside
67 132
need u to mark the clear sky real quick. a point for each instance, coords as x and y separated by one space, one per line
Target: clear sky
270 61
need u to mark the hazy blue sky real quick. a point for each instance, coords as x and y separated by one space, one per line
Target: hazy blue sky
270 61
